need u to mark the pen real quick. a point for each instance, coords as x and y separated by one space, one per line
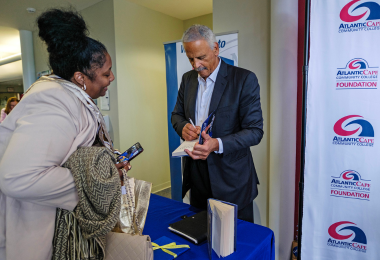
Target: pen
191 121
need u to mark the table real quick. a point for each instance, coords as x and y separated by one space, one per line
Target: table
253 241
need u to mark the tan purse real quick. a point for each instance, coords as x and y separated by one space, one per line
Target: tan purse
126 242
122 246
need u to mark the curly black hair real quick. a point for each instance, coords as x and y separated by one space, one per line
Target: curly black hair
70 49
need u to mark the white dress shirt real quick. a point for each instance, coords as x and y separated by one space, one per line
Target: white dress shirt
205 90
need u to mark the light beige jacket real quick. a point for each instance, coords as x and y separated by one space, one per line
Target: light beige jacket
37 137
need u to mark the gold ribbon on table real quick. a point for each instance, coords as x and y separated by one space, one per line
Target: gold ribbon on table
169 246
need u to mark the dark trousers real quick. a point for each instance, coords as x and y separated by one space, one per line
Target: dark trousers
201 190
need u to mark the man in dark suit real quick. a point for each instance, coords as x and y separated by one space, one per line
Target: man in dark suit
222 167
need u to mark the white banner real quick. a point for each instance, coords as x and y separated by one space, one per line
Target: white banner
228 51
342 180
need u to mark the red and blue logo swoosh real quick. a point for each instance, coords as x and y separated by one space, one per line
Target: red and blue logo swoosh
367 129
370 7
359 237
357 64
350 175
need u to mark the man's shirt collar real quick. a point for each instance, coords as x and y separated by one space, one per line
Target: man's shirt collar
214 74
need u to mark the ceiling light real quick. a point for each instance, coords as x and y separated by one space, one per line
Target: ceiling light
18 55
9 59
31 10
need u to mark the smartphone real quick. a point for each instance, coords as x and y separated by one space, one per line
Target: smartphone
131 153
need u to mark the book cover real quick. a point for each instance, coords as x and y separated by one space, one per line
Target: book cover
209 121
193 228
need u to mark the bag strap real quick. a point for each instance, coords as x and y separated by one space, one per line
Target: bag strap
131 201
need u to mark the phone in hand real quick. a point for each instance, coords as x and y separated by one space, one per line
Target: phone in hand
131 153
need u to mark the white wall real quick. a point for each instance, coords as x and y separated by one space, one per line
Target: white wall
41 56
139 36
283 114
252 18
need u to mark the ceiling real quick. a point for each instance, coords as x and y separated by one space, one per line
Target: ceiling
13 14
181 9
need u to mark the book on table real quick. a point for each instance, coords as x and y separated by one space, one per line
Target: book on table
193 228
222 226
218 225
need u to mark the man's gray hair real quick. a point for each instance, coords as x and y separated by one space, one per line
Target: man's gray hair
199 32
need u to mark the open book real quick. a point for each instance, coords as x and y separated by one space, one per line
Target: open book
222 225
180 151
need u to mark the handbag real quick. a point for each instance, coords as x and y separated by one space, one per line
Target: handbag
134 205
126 242
123 246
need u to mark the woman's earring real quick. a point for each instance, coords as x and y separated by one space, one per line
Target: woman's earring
84 86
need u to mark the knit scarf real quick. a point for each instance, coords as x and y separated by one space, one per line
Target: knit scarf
80 234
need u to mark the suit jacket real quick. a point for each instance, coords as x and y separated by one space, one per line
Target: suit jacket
238 123
40 134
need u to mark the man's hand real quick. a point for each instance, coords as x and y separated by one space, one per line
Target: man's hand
201 151
189 132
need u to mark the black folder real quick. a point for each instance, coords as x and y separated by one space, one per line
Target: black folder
193 228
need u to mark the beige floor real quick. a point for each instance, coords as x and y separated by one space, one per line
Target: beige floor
167 193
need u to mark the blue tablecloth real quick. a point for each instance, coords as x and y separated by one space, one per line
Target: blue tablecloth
253 241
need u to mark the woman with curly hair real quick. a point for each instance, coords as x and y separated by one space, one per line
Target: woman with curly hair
55 117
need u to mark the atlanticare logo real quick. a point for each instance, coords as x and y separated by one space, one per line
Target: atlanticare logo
349 184
357 74
354 130
347 235
359 15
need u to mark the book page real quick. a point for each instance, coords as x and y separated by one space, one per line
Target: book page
222 206
222 228
180 151
216 231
